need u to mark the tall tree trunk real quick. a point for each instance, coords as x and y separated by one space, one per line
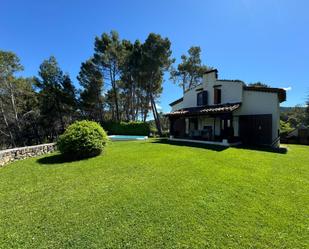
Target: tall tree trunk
132 102
155 115
60 115
145 115
116 104
113 82
137 107
14 108
7 125
12 99
100 119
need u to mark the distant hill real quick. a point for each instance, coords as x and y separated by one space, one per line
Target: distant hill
288 109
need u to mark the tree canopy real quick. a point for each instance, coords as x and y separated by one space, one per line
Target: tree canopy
57 100
258 84
190 71
17 103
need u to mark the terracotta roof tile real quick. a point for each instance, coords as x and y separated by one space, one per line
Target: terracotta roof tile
204 110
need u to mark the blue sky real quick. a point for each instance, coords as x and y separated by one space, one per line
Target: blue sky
251 40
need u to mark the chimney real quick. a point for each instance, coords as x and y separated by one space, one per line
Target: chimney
211 75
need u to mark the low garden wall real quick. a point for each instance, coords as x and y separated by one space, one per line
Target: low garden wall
11 155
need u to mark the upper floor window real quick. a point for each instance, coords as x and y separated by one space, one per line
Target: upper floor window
202 98
217 96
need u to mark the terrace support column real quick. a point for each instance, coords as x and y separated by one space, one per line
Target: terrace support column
171 126
214 135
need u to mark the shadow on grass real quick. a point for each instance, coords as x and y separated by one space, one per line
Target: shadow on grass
189 144
221 148
264 149
57 159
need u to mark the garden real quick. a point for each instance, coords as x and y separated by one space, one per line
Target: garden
155 194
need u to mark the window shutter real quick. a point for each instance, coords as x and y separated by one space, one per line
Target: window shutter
205 98
215 96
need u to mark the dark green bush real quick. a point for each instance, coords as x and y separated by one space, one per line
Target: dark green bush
82 139
127 128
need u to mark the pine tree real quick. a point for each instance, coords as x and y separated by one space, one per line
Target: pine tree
56 96
91 99
108 57
190 71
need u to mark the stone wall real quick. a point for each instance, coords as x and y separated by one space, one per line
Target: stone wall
11 155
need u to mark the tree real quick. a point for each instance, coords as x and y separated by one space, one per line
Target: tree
108 57
91 99
258 84
132 84
18 104
156 60
285 127
294 116
190 71
9 65
28 112
56 96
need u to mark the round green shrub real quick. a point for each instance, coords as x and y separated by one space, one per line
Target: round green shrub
82 139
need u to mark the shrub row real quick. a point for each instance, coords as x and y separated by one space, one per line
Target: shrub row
127 128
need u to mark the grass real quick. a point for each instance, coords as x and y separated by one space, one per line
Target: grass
158 195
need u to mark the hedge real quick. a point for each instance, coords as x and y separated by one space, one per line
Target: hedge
127 128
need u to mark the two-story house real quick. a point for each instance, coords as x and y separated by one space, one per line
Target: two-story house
227 111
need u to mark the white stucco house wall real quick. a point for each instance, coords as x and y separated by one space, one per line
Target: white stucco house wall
228 110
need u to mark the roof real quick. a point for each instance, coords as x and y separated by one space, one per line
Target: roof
281 92
204 110
226 80
176 101
211 71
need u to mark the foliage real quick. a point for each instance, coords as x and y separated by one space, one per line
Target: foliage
190 71
133 72
133 91
108 56
127 128
18 104
285 127
294 116
156 60
82 139
156 195
57 98
91 99
258 84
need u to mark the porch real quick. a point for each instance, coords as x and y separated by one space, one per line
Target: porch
205 128
215 125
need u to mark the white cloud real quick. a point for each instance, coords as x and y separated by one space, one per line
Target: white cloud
287 88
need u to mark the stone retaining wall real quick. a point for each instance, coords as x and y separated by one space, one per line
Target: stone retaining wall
11 155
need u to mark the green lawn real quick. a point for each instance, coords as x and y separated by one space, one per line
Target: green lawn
157 195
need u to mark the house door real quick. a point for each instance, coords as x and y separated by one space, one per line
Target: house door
178 127
226 128
256 129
